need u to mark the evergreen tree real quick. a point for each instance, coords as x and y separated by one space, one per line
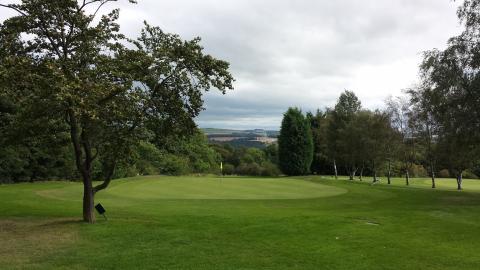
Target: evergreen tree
319 125
295 144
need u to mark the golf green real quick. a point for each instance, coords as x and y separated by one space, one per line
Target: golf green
205 188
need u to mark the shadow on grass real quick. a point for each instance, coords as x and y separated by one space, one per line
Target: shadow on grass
61 222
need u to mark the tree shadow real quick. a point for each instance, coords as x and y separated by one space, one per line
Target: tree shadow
60 222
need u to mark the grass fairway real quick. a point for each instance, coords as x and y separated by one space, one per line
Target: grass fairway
243 223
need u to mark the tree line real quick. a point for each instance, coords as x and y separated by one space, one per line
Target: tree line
434 129
349 140
44 158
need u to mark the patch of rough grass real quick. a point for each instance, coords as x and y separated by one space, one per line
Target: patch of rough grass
27 243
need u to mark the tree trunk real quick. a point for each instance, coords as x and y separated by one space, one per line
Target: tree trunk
353 172
374 173
361 173
407 177
83 166
459 181
88 202
32 177
389 173
84 160
432 172
335 169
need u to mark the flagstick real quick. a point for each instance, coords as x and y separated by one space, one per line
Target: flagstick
221 171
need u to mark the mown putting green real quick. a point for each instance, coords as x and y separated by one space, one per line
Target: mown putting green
243 223
148 188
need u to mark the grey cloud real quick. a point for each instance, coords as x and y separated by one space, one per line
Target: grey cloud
302 52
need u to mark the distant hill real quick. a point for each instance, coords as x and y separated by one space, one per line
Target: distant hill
259 132
249 138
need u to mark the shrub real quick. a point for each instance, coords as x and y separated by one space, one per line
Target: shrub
228 169
147 168
200 166
253 155
443 173
125 170
174 165
270 169
418 171
469 175
252 169
149 159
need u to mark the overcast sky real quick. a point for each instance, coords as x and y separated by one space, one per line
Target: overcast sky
301 53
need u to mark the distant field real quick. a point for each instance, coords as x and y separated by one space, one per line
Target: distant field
243 223
219 131
257 138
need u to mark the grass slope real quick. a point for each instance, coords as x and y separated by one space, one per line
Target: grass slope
243 223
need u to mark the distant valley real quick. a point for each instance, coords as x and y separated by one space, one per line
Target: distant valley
248 138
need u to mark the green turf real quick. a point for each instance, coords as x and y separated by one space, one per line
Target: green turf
243 223
150 188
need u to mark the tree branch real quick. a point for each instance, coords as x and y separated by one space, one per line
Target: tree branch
104 184
76 143
100 6
47 34
109 96
108 177
10 6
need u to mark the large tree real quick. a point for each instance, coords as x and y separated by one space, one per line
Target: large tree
399 112
319 126
426 127
377 132
61 61
342 139
295 144
358 142
450 85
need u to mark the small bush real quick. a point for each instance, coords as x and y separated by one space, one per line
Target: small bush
418 171
228 169
125 171
270 169
252 169
174 165
200 166
469 175
146 168
397 169
443 174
